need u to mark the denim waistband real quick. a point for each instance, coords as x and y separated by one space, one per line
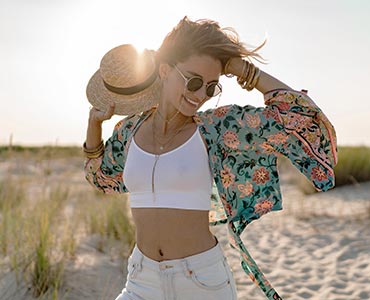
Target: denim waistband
196 261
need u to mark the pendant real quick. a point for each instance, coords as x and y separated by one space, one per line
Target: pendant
153 171
161 147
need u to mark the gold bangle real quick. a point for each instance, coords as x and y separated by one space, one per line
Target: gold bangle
101 145
241 78
255 79
225 69
244 81
250 77
97 155
94 153
247 75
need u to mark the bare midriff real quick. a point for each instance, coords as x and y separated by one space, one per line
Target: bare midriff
167 233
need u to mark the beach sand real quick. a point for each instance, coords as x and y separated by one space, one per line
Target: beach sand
317 248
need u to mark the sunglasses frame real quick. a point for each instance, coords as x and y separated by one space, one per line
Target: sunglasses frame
187 80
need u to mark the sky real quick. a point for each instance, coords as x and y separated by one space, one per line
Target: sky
49 49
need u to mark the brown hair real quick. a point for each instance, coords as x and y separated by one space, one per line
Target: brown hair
203 37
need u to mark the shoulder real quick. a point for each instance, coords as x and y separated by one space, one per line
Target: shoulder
232 115
214 115
228 110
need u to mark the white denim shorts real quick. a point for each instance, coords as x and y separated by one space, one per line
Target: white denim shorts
203 276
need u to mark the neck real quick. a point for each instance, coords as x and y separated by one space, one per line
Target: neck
167 117
168 122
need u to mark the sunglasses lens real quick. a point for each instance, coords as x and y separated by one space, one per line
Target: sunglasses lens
194 84
213 90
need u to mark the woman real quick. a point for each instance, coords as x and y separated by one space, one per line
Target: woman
167 154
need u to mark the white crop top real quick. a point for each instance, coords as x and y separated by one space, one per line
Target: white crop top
182 177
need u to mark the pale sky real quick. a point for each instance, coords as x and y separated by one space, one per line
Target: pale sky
49 49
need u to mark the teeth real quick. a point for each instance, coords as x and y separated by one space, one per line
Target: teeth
192 102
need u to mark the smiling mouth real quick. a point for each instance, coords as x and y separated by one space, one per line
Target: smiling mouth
191 102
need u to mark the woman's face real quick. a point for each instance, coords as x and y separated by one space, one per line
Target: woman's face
176 93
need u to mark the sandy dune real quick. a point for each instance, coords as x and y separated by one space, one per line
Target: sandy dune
317 248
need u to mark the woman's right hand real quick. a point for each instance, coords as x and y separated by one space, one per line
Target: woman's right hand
99 116
94 128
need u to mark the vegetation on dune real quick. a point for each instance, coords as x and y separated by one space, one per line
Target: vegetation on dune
40 232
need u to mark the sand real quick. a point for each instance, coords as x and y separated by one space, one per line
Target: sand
317 248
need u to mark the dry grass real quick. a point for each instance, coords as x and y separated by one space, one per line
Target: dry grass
353 168
44 215
43 152
353 165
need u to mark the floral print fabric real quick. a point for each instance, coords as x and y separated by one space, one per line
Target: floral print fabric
243 144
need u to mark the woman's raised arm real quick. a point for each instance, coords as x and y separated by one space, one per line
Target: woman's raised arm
265 81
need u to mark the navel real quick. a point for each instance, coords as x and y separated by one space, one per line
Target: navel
160 252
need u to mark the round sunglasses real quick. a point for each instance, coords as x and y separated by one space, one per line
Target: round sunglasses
194 83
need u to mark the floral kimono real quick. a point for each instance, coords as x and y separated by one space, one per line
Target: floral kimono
243 144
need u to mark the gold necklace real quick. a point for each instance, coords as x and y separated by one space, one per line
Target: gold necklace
164 119
161 147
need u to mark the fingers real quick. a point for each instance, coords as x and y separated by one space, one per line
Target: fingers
110 111
100 115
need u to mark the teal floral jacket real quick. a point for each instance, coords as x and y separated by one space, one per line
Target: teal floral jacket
243 145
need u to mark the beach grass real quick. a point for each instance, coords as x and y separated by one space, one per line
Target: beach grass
109 218
28 236
41 152
40 231
353 167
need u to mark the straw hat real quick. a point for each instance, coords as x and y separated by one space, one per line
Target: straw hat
128 78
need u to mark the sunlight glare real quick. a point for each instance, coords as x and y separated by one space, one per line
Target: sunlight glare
139 46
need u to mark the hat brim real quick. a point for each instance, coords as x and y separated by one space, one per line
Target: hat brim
100 97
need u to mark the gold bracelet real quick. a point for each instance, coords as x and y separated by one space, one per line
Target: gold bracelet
92 156
94 153
253 73
246 76
250 77
225 69
255 79
245 79
241 78
101 145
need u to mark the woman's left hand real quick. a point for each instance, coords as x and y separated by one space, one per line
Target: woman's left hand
265 82
234 66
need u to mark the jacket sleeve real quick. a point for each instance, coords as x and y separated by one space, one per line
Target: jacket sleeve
307 137
105 173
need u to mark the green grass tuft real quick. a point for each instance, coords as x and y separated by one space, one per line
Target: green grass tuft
353 165
40 231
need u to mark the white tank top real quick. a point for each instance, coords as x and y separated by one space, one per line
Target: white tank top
182 177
